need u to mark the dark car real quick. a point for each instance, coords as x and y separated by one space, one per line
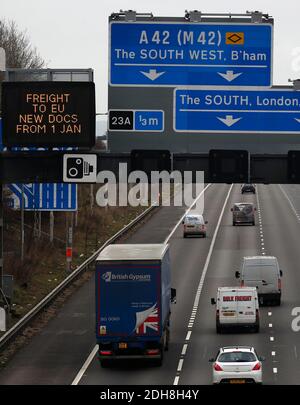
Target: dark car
243 213
248 188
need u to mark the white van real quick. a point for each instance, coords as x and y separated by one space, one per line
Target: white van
263 273
236 307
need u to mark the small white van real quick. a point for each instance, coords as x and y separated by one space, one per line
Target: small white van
262 272
236 307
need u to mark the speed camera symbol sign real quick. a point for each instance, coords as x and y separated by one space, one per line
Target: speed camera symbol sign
80 168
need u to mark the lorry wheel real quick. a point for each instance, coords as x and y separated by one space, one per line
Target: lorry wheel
184 235
219 329
233 223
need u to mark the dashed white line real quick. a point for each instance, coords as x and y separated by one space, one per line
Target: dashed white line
269 313
176 380
270 325
184 349
273 353
275 370
180 364
272 338
188 335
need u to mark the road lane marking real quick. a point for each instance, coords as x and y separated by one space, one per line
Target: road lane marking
275 370
272 338
176 380
85 366
212 244
270 325
188 335
184 349
290 202
273 353
269 313
180 364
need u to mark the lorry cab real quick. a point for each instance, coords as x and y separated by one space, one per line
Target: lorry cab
236 307
262 272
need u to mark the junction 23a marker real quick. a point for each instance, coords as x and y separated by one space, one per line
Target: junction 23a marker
241 111
136 120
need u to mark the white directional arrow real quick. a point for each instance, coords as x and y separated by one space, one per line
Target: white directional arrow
298 120
229 75
229 120
152 74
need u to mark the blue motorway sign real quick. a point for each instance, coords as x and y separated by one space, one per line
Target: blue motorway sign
242 111
148 120
44 196
172 54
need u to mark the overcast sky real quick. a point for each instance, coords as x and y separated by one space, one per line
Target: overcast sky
74 33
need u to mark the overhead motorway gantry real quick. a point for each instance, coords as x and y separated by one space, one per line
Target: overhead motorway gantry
151 57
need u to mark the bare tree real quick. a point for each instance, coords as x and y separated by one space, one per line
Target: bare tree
19 51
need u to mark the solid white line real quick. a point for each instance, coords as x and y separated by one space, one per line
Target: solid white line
85 366
212 244
197 298
235 111
290 202
186 212
145 65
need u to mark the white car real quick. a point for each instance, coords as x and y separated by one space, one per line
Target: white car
237 365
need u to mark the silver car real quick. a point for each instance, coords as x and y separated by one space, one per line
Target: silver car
237 365
194 224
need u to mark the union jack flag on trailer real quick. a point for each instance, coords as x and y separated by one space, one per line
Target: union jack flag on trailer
150 322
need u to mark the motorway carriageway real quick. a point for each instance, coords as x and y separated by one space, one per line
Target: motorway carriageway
64 351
